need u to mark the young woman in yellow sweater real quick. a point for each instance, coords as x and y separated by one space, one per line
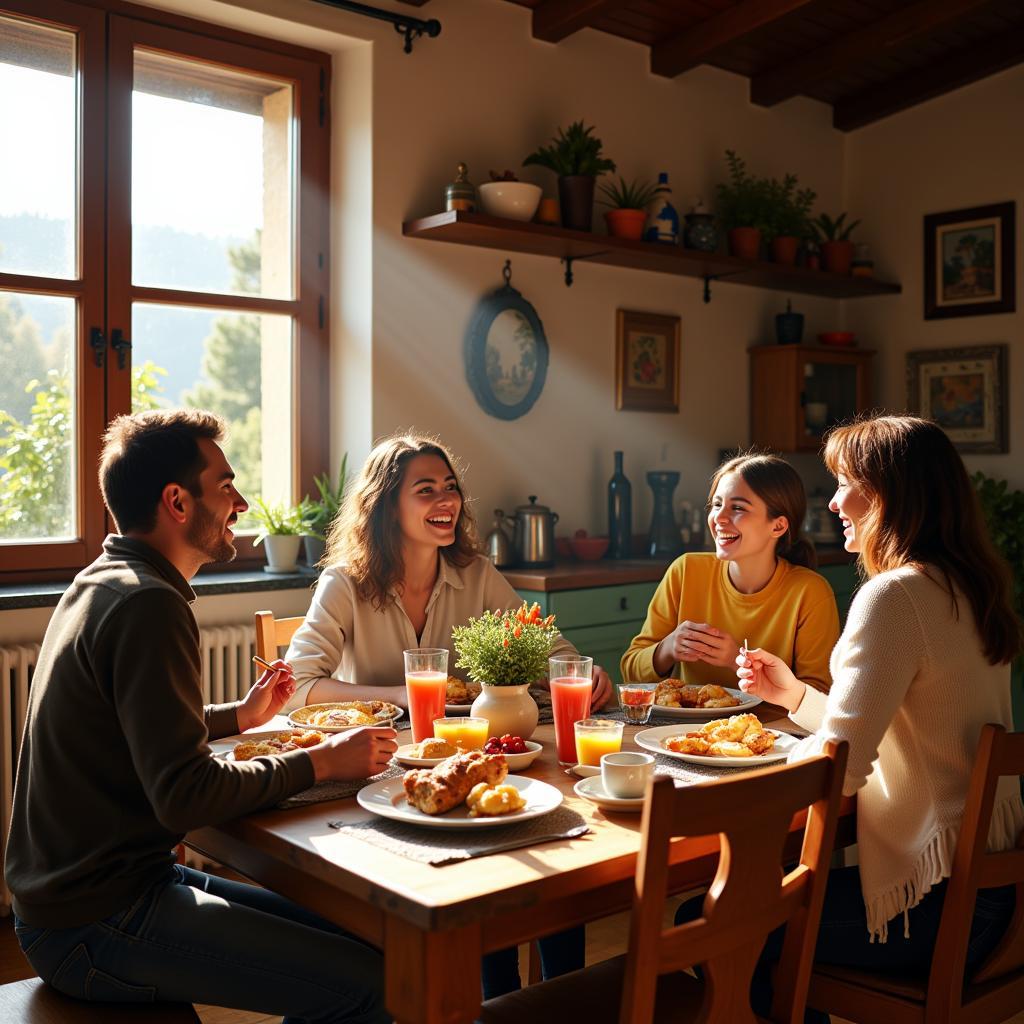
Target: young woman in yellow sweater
757 585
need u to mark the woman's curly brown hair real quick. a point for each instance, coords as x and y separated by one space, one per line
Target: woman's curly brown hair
365 536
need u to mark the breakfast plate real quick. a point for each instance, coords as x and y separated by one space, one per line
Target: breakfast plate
458 709
383 713
746 702
225 747
387 799
592 789
516 762
651 739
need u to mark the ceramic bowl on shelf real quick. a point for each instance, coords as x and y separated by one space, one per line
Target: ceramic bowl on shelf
588 549
514 200
562 547
836 338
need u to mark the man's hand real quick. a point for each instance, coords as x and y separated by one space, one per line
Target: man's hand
696 641
602 691
354 754
267 697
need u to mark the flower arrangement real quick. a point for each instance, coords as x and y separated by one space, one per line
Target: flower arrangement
506 648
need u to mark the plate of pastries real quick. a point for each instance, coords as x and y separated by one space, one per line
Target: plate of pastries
459 695
687 700
738 741
270 741
338 716
469 790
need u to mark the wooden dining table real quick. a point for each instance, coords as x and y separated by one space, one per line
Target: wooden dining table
433 923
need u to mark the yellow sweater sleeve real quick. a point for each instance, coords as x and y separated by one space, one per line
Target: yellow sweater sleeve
816 634
637 663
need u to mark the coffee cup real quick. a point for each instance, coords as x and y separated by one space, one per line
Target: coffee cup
625 774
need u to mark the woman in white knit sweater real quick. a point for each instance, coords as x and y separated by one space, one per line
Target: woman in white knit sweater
922 665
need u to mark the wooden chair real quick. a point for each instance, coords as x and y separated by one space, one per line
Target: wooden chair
748 899
34 1002
995 991
272 634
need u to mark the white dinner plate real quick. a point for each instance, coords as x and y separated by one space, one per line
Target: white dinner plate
592 789
747 701
387 798
225 747
299 718
650 739
458 709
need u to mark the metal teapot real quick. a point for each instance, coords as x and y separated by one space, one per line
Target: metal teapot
534 534
498 544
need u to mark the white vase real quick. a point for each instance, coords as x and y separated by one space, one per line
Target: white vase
508 709
282 552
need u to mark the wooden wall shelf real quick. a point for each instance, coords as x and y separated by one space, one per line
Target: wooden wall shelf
572 246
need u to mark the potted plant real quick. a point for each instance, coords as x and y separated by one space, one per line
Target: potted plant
280 532
505 652
318 513
836 247
575 156
789 217
628 202
744 208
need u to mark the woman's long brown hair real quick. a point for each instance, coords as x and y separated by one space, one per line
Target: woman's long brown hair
779 486
923 511
365 536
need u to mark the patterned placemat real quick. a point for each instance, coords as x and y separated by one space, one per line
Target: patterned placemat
338 790
691 774
444 846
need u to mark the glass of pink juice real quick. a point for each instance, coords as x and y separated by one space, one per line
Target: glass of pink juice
571 680
426 683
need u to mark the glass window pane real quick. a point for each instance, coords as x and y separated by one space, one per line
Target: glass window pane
236 364
38 171
211 179
37 418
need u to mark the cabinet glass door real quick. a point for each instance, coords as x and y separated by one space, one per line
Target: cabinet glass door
829 395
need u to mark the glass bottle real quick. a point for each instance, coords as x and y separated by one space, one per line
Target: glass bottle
620 513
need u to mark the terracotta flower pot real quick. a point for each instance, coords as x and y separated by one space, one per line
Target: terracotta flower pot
626 223
784 249
837 256
576 201
745 243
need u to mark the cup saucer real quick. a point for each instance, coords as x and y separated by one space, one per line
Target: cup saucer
584 771
592 789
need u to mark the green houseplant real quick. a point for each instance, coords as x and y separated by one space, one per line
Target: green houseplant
319 513
744 207
1004 514
575 155
280 531
834 238
789 219
505 652
628 202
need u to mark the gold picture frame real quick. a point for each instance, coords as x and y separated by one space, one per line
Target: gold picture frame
646 361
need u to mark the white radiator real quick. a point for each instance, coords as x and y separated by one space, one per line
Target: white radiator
227 675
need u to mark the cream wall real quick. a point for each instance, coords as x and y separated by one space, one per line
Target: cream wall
960 150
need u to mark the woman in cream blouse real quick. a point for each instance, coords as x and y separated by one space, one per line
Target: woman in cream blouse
402 568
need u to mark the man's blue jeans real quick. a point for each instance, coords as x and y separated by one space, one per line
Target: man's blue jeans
198 938
559 954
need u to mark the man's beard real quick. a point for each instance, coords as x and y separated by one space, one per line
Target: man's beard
205 534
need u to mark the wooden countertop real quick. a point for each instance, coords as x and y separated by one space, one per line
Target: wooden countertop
606 572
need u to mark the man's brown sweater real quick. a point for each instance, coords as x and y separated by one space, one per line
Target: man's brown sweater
114 765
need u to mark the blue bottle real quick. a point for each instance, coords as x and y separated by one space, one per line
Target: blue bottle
662 219
620 513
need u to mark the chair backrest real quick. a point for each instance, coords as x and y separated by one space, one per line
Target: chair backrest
272 633
999 754
750 896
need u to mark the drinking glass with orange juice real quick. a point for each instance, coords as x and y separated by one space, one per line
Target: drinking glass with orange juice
571 681
597 736
464 733
426 682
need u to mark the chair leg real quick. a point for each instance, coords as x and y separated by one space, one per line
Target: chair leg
535 971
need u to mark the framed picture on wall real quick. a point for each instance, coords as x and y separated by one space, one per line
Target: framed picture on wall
964 390
646 362
969 262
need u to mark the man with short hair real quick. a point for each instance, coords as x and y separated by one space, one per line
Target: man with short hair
115 768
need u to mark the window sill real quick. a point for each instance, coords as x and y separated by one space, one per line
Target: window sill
46 595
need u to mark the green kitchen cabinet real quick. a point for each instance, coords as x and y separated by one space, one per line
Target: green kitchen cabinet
598 621
844 582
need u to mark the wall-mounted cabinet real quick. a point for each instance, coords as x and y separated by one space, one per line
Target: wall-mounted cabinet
798 391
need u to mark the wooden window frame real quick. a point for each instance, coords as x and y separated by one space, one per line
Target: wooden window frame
105 80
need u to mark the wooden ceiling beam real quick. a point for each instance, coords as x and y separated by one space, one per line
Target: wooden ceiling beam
971 64
802 72
554 20
696 45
